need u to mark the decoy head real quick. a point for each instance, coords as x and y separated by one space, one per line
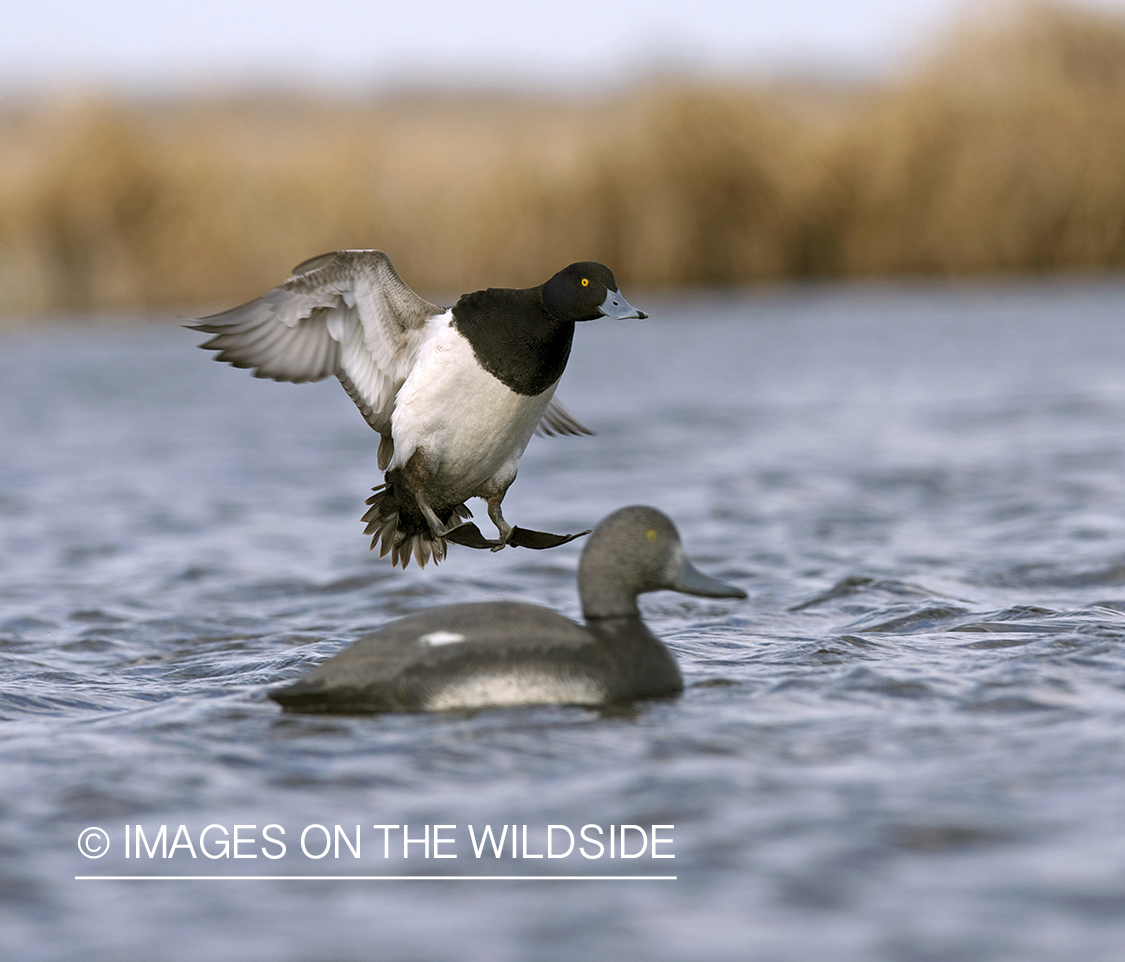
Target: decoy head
586 291
634 550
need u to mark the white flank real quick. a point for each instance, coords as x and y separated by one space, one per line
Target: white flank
521 687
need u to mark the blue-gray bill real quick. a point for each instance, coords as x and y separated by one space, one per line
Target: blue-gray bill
694 582
615 305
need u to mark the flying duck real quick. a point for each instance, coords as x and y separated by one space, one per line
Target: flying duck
455 393
503 653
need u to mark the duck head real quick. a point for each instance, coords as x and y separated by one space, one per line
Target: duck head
634 550
584 292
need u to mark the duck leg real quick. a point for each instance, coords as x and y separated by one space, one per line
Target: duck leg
469 535
437 529
466 533
496 516
524 537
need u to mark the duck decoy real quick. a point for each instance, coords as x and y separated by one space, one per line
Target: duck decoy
506 653
455 393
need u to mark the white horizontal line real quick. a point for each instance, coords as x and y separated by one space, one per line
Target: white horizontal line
373 878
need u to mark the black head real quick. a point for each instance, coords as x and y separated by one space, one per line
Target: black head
585 291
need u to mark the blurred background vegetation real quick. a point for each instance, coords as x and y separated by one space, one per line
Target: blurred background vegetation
1002 153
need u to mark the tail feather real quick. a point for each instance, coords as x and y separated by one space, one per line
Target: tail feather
399 528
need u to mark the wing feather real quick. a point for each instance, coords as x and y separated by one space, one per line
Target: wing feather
558 420
346 313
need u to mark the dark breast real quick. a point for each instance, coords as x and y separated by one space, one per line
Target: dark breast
514 338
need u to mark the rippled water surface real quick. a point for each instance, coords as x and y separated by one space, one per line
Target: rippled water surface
906 745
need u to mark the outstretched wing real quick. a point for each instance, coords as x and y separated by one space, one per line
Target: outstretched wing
346 313
558 420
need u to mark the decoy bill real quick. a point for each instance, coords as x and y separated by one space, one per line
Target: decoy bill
505 653
455 393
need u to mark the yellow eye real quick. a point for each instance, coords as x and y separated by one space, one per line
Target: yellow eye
585 282
651 535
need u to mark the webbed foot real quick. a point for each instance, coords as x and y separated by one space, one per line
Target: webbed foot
526 538
469 535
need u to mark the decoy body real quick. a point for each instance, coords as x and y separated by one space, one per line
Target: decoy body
455 394
506 653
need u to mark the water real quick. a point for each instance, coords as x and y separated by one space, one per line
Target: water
906 745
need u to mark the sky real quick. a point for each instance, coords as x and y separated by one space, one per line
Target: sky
160 45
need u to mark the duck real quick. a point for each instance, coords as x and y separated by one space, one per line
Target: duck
507 653
455 394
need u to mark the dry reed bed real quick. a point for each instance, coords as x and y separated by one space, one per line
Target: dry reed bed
1005 153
